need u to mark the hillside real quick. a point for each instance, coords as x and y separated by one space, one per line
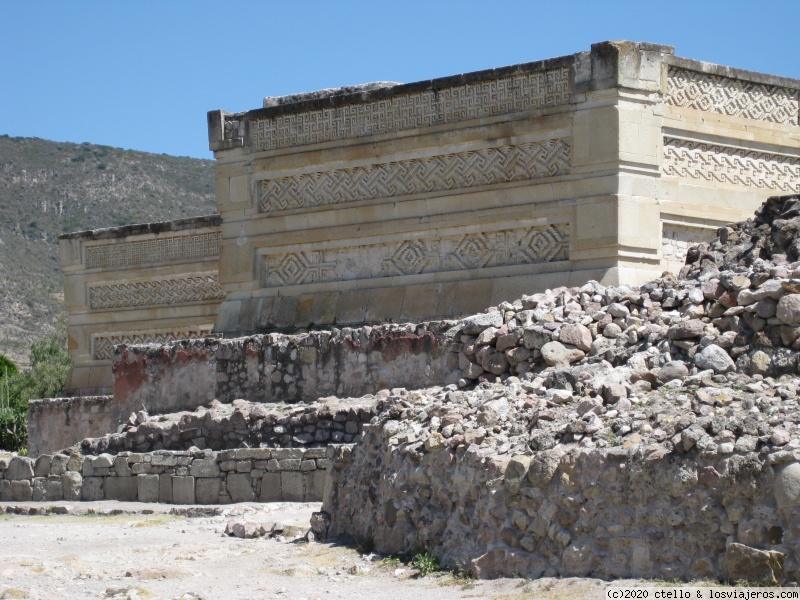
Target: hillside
49 188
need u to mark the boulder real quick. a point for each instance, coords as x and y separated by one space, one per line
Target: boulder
714 357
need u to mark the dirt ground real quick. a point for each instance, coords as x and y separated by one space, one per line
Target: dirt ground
133 550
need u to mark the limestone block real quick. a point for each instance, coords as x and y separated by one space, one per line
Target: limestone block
290 464
147 488
122 488
205 467
5 490
93 489
165 488
75 462
21 490
164 460
58 464
104 461
282 453
183 490
71 485
207 490
315 486
42 466
293 486
270 488
47 489
20 467
121 467
240 487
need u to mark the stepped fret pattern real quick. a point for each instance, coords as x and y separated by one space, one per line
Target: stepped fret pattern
446 172
527 245
154 293
524 91
732 97
104 345
726 164
164 249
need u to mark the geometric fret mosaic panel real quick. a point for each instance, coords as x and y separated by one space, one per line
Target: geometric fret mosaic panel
733 97
445 172
104 345
522 91
154 293
525 245
162 249
727 164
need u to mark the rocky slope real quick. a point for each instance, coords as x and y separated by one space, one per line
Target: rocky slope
650 431
49 188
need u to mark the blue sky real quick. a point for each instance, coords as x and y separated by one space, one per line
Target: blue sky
142 75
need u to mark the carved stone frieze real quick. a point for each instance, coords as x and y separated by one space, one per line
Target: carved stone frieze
103 344
515 93
728 164
154 293
524 245
445 172
162 249
733 97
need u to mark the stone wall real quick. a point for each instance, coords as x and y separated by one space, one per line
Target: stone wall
198 477
57 423
280 368
147 283
624 512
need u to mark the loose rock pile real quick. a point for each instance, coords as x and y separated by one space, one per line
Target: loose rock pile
240 424
617 432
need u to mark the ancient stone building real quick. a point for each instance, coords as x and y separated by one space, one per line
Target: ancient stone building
392 202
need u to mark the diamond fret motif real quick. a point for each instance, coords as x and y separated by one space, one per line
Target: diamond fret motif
446 172
527 245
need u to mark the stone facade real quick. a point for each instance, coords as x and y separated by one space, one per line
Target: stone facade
438 198
139 284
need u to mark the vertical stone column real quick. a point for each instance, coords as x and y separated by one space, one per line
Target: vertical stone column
617 141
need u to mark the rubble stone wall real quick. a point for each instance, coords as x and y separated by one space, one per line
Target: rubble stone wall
627 511
279 368
199 477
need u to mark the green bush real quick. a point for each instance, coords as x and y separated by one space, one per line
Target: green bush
425 563
7 367
50 365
